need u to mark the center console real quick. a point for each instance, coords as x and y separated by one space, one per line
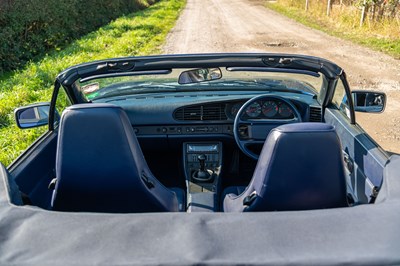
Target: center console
202 166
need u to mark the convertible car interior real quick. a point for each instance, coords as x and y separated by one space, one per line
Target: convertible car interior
201 136
107 172
229 136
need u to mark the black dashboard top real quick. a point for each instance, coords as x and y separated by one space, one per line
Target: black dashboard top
208 107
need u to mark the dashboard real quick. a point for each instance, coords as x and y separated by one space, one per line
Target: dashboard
210 113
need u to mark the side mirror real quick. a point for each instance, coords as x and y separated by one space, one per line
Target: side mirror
369 101
34 115
199 75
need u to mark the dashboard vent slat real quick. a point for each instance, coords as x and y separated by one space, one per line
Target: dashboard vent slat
315 114
206 112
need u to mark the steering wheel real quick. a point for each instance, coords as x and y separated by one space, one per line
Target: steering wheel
254 128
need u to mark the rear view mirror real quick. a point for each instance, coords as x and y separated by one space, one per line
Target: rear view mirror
199 75
32 115
369 101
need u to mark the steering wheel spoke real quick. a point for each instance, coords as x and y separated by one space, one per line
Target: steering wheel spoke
254 122
252 142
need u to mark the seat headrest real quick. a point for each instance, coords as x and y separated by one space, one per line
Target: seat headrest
301 167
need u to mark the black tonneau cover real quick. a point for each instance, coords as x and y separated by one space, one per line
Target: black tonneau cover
361 235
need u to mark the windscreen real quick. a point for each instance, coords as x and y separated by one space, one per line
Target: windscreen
104 87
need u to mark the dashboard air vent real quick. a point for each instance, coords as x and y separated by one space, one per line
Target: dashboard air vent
315 114
207 112
188 113
214 112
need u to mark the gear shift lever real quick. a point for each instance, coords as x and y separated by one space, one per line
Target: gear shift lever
202 158
203 174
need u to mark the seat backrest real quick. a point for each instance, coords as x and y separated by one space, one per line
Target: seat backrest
300 168
100 166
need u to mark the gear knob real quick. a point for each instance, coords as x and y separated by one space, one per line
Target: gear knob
202 158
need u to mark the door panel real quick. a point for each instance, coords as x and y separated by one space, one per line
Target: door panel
364 159
34 170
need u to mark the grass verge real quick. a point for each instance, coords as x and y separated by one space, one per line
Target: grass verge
141 33
383 36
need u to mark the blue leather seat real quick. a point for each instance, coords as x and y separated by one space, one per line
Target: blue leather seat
300 168
100 166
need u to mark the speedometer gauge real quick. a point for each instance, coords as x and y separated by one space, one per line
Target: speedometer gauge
285 111
253 110
270 109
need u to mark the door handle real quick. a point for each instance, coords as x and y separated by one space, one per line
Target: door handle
348 162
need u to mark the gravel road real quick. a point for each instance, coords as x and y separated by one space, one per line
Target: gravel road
247 26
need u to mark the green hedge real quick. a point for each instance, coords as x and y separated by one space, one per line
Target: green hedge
136 34
29 28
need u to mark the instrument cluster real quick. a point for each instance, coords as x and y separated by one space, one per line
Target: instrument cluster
268 109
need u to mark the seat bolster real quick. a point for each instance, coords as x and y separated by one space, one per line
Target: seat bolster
232 198
181 197
10 192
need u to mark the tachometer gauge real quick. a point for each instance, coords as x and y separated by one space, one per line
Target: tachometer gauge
285 111
253 110
270 109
